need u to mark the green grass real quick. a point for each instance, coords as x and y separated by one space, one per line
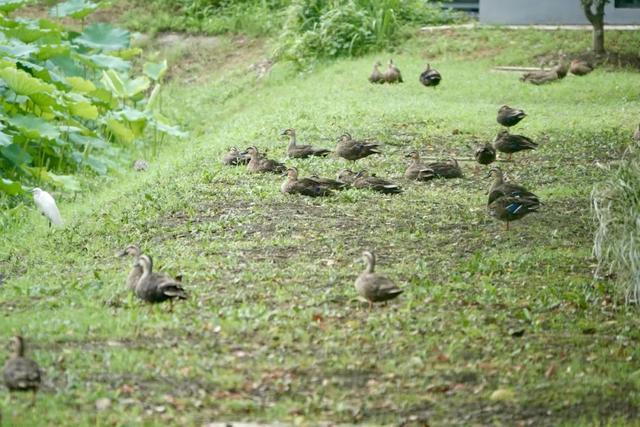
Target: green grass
273 330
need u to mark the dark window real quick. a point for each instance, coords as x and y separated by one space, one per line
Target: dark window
627 3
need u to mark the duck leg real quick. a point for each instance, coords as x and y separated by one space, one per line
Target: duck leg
370 305
33 398
507 224
509 157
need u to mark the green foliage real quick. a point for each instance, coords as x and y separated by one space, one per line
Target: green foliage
616 205
330 28
68 102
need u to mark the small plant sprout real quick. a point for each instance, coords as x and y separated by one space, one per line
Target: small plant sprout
47 205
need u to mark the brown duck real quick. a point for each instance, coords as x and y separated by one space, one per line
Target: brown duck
235 158
261 164
376 76
485 154
362 180
417 170
328 182
302 151
157 287
508 116
511 208
579 67
501 188
21 373
350 149
636 134
446 169
136 271
509 144
430 77
540 77
372 286
393 74
305 186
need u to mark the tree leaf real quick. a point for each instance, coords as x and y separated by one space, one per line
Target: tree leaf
76 9
8 6
81 85
34 127
9 187
104 37
155 71
5 139
23 83
16 155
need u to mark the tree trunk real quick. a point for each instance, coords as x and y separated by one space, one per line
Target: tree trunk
597 21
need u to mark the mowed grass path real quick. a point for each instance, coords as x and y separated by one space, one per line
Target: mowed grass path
273 330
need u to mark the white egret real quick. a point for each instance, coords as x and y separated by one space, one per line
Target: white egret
47 205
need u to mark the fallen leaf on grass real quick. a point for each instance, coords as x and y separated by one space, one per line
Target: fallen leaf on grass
103 403
502 394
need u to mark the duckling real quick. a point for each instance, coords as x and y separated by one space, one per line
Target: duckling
417 170
430 77
376 76
509 144
157 287
235 158
363 180
393 74
500 188
511 208
636 134
579 67
259 163
448 169
375 287
305 186
508 116
485 154
302 151
350 149
21 373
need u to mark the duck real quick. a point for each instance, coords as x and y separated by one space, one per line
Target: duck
157 287
328 182
508 116
305 186
446 169
540 77
259 163
362 180
580 67
376 76
430 77
393 74
509 144
500 188
21 373
485 154
302 151
512 208
235 158
636 134
136 271
372 286
417 170
350 149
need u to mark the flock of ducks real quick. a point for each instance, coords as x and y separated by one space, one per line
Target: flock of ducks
507 201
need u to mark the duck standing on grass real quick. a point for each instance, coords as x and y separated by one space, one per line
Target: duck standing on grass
508 143
21 373
136 271
376 76
372 286
508 116
511 208
393 74
430 77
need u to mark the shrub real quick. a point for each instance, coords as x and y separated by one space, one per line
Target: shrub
68 100
616 205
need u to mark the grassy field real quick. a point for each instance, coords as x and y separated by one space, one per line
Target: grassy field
494 327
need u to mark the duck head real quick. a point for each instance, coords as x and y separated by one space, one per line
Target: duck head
369 259
133 250
17 347
289 132
414 155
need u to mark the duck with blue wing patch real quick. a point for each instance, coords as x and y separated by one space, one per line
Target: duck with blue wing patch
512 208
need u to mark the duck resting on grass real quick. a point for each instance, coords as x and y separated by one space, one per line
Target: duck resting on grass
508 116
302 151
485 154
235 158
260 164
157 287
508 143
580 67
372 286
362 180
350 149
376 76
417 170
21 373
304 186
447 169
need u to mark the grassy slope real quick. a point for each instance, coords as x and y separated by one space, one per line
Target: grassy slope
273 330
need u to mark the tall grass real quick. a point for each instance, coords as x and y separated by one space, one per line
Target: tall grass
616 205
